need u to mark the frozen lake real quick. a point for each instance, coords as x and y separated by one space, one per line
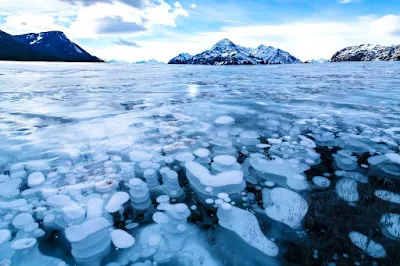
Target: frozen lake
199 165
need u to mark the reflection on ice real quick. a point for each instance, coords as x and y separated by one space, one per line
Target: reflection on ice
193 165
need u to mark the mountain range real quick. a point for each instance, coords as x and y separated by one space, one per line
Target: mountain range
367 52
225 52
45 46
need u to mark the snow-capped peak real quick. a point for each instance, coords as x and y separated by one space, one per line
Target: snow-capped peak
271 55
223 45
225 52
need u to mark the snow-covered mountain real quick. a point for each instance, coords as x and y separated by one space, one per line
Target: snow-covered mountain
149 62
225 52
56 44
180 59
270 55
317 61
368 52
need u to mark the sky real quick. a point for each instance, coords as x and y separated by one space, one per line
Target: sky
135 30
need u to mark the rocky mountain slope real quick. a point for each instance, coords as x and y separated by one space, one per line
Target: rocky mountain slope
180 59
368 52
45 46
225 52
11 49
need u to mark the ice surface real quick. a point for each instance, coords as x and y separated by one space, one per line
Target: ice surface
73 137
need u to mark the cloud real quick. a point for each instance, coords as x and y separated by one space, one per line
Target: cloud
193 6
117 25
123 42
303 39
135 3
92 19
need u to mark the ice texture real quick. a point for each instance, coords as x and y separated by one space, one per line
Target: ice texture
306 157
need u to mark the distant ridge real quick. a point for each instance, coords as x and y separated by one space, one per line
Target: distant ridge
44 46
225 52
367 52
317 61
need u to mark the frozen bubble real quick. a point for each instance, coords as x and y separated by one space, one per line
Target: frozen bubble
209 201
321 181
140 156
208 189
390 223
393 157
116 202
36 179
180 207
269 183
274 141
224 120
106 185
160 218
286 207
162 199
58 201
201 152
388 196
219 201
122 239
154 240
206 179
23 243
223 195
346 188
226 160
263 146
184 157
131 226
5 236
246 226
21 220
368 245
77 233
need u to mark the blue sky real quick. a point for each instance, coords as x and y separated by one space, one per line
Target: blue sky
133 30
